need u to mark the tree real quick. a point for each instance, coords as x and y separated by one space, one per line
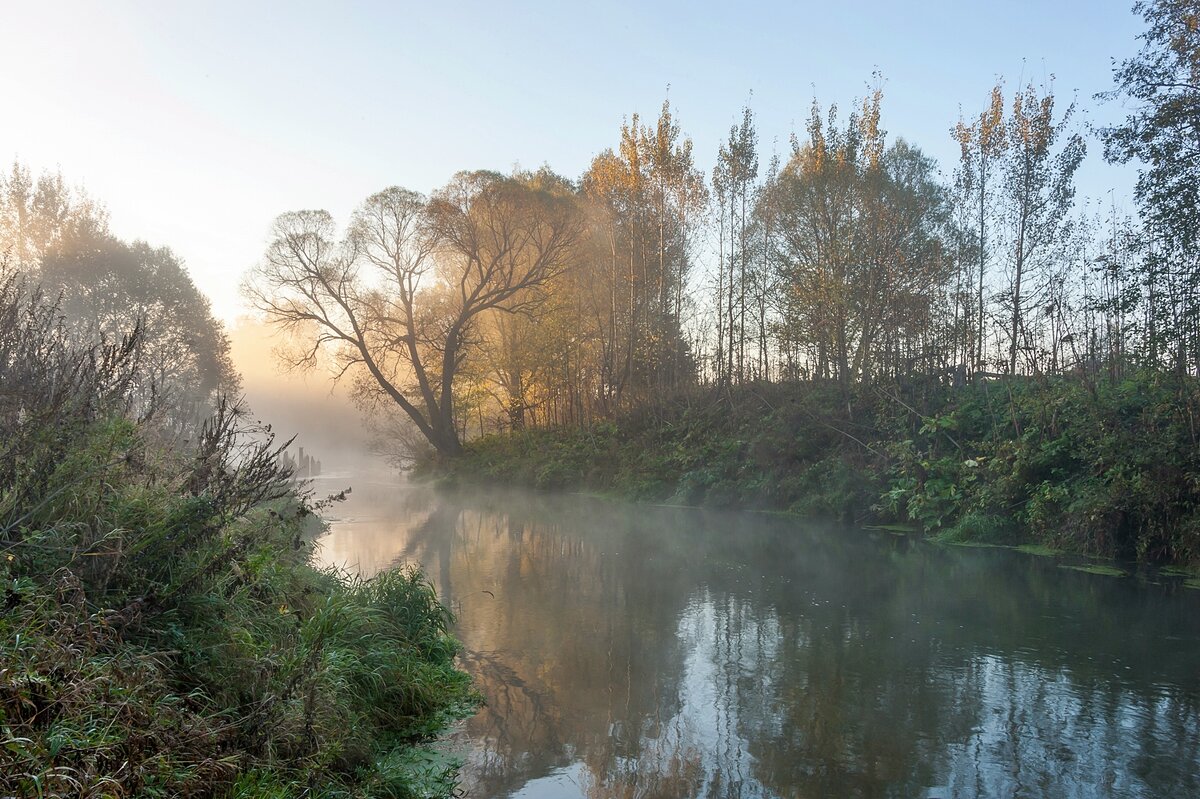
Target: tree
1162 82
983 143
529 362
57 235
42 216
644 201
679 196
858 252
1038 193
733 181
109 287
400 297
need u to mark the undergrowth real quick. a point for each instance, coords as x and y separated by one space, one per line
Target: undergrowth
163 633
1102 467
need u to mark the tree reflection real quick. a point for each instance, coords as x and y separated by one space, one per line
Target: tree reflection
643 652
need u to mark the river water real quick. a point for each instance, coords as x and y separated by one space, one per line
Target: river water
634 651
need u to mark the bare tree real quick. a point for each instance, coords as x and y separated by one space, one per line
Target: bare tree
397 299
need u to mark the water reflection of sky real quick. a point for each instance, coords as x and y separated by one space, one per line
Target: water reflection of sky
644 652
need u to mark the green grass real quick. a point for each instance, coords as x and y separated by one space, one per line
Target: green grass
163 633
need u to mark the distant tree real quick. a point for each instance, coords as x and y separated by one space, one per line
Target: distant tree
679 196
644 200
109 287
733 184
43 216
859 250
58 236
525 360
400 297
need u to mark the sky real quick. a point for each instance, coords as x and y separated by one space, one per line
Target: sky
198 123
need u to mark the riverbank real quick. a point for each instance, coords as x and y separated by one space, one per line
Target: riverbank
160 641
1109 469
163 633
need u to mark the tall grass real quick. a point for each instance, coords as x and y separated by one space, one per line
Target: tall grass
163 633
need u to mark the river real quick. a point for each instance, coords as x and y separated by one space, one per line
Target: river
643 651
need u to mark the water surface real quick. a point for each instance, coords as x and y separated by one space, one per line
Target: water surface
634 651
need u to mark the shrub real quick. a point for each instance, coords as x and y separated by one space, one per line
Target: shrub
164 633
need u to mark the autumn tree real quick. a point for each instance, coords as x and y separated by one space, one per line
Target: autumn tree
982 144
679 196
530 363
1038 192
44 215
645 200
734 189
398 299
859 249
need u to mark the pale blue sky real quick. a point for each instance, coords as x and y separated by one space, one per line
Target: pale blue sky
197 123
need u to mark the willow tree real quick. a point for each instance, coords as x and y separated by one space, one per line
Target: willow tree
397 299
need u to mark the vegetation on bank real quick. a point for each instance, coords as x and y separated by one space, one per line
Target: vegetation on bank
799 290
975 358
1108 468
764 447
163 633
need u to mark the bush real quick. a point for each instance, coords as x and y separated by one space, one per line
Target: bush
1109 469
164 633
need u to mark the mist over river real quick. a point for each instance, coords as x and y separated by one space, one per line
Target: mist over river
641 651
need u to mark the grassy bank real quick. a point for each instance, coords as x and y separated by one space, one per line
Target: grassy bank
163 633
1109 469
762 449
766 447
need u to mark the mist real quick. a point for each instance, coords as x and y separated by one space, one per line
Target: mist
307 406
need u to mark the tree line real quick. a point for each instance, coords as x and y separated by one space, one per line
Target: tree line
503 301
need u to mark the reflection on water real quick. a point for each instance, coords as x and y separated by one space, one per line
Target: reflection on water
632 651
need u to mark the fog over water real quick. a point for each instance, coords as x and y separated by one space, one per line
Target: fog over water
649 651
306 405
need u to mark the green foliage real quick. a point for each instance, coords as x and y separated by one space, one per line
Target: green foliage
767 448
1159 92
164 633
1109 469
